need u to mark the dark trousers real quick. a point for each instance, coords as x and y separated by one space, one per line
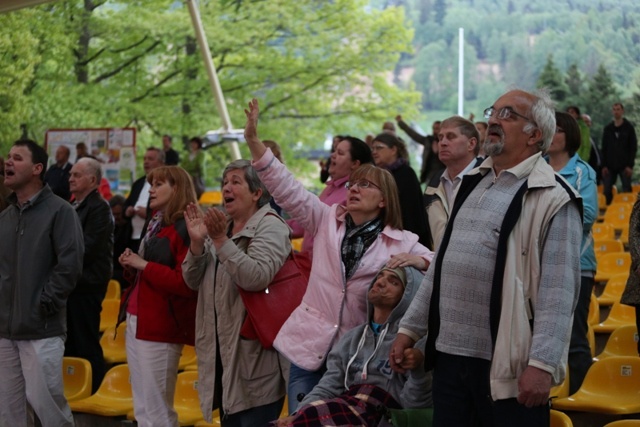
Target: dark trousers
610 180
83 333
258 416
579 350
462 397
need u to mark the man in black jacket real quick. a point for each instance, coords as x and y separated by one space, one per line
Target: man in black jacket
619 146
57 175
85 302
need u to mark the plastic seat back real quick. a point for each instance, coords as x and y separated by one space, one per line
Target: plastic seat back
186 401
611 386
618 215
622 342
613 289
594 311
620 315
211 198
611 264
113 290
603 231
109 313
113 398
76 376
560 390
607 246
113 344
188 357
624 423
559 419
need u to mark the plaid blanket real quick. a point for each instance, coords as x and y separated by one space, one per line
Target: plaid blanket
362 405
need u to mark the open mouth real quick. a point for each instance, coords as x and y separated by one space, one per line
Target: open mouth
228 200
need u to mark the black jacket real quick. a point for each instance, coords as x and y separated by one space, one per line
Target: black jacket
619 146
97 228
58 179
414 214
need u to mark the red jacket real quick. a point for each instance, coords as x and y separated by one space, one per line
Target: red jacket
166 305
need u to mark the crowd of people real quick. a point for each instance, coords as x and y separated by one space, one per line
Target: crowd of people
470 297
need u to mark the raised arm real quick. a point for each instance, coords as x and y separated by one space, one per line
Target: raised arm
256 146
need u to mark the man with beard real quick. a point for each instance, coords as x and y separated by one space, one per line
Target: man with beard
498 299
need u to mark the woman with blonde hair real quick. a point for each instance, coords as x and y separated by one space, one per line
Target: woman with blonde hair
351 244
159 306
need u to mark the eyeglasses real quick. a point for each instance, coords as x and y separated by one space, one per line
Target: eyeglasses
362 183
378 147
503 113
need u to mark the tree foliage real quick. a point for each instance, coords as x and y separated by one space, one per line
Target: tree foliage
317 67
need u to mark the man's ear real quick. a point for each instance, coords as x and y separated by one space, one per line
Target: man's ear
535 136
37 168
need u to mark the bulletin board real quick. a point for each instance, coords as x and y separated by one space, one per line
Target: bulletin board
115 149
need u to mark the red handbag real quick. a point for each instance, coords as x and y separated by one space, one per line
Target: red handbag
267 310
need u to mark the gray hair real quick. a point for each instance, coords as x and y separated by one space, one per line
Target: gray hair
93 168
161 155
252 178
542 112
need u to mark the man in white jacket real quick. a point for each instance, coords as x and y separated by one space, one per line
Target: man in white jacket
498 300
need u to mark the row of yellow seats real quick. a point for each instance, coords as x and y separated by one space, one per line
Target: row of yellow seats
619 315
607 231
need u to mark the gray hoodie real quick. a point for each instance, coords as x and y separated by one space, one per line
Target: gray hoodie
360 357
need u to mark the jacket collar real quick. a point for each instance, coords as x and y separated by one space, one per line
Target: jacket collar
538 171
392 233
250 227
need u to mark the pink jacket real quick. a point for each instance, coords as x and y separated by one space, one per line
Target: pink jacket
331 306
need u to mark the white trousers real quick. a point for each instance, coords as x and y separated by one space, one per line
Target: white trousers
154 370
31 371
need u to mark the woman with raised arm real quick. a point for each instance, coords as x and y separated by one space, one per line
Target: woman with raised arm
243 249
351 243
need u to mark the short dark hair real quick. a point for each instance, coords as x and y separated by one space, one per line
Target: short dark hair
167 136
569 125
358 149
574 108
197 140
38 154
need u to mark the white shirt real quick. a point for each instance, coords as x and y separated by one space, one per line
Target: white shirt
137 223
451 185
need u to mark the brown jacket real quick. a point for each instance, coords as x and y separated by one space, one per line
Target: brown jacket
252 376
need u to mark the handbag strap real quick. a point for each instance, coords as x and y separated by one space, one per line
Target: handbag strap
291 253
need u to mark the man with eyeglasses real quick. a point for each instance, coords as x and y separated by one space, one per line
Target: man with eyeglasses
619 146
498 299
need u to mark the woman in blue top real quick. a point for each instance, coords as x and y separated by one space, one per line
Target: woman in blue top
563 159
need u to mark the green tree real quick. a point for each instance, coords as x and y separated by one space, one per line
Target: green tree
551 79
601 95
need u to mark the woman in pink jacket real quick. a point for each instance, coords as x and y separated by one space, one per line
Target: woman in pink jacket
350 245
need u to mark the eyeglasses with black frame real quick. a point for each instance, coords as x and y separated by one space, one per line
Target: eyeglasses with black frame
362 183
503 113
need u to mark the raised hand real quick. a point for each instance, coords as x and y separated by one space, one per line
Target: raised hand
194 218
251 130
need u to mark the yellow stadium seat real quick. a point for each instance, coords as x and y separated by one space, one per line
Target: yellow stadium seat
602 231
591 337
297 244
113 344
624 235
607 246
625 198
613 289
611 386
113 290
559 419
560 390
76 377
611 264
113 398
620 315
635 188
188 357
211 198
186 401
622 342
624 423
594 311
600 189
618 215
109 313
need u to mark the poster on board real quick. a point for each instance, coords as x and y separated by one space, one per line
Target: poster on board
114 148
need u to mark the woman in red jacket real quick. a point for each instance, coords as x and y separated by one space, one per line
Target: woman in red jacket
160 307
